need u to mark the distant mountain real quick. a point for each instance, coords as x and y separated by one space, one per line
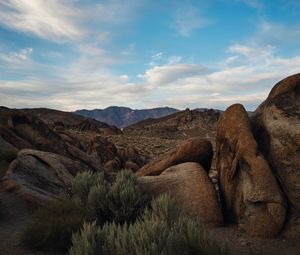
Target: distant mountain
124 116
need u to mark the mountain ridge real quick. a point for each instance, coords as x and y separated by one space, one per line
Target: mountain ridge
124 116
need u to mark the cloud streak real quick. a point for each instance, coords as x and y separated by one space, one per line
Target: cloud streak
53 20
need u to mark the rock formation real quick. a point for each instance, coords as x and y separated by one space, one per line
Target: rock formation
190 186
38 176
192 150
249 191
183 124
277 129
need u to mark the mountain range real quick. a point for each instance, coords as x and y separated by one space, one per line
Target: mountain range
124 116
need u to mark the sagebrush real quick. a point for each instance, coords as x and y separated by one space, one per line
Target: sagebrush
161 230
92 199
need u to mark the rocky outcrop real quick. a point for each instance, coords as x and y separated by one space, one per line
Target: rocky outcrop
38 176
249 191
23 130
112 158
277 129
191 150
180 125
132 158
68 120
190 186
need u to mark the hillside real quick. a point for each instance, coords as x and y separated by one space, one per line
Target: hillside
65 120
187 123
124 116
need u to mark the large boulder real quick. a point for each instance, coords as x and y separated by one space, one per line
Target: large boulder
190 186
39 176
24 130
277 129
249 191
192 150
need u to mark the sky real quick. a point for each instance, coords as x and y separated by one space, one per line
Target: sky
87 54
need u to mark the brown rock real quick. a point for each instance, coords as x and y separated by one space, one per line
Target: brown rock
131 165
277 128
249 192
39 176
113 165
190 186
132 158
23 130
103 149
191 150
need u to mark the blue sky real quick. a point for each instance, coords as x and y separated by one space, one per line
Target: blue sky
74 54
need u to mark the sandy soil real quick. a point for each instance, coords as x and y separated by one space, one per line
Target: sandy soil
240 243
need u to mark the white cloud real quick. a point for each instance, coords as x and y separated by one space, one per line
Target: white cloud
87 84
54 20
166 74
246 77
188 19
255 54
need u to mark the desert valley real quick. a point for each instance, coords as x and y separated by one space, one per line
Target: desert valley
236 172
145 127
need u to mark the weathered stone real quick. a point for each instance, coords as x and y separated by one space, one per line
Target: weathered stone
131 165
40 176
249 191
189 185
277 129
192 150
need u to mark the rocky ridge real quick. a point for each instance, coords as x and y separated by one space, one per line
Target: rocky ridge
125 116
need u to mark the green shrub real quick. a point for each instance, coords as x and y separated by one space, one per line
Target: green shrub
84 181
87 241
53 224
97 203
126 201
121 201
161 230
93 199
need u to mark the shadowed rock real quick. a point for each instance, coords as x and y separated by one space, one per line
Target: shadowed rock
189 185
249 192
22 130
277 128
191 150
39 176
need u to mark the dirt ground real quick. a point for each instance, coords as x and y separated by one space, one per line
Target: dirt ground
13 219
240 243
